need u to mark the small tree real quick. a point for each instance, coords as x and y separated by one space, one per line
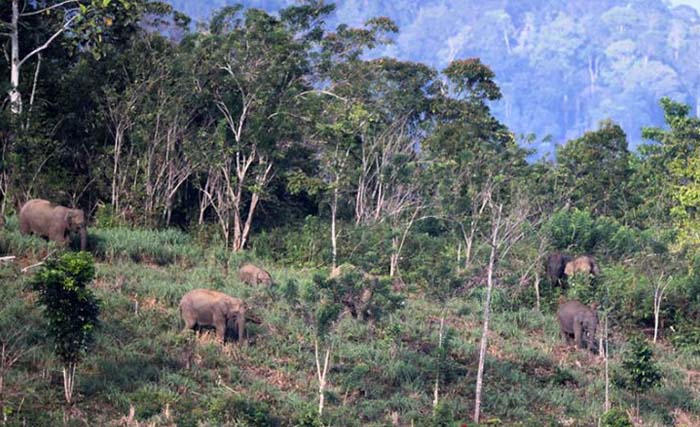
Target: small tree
327 299
71 309
640 372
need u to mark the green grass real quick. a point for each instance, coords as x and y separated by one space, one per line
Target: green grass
141 357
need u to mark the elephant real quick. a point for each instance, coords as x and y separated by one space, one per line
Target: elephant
53 221
254 275
356 301
556 263
580 321
583 264
205 307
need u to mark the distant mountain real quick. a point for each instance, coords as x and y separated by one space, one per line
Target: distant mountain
563 65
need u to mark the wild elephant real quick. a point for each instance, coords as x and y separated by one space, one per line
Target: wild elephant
205 307
583 264
578 321
55 222
254 275
554 268
356 300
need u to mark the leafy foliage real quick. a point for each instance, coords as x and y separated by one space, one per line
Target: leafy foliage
616 418
640 372
70 306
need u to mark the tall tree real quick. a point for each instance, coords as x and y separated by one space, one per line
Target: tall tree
679 153
79 18
254 67
467 149
596 168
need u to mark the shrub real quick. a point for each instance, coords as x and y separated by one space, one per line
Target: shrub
579 231
240 411
70 307
686 337
616 418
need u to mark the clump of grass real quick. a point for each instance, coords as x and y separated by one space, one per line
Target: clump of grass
161 247
12 242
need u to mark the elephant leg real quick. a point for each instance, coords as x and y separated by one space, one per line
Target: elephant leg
24 227
240 320
58 235
190 322
565 337
578 334
220 325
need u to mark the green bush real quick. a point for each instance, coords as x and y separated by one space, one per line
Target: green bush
616 418
686 337
305 246
70 306
579 231
240 411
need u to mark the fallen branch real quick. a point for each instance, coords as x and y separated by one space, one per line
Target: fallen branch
29 267
8 258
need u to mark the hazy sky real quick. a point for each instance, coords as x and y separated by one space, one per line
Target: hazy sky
694 3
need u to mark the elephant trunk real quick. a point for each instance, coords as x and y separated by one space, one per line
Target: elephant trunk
83 239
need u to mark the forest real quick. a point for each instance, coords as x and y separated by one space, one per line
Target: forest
562 65
384 248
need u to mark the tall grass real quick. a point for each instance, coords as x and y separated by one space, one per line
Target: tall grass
160 247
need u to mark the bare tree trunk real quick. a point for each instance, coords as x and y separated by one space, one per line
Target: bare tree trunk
15 96
118 138
397 245
537 290
321 372
69 381
436 390
34 83
495 229
607 374
334 234
659 290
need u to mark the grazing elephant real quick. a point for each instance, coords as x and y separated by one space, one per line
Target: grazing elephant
580 321
358 305
583 264
556 263
357 301
52 221
204 307
254 275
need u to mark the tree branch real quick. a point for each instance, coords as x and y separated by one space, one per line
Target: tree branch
49 41
46 9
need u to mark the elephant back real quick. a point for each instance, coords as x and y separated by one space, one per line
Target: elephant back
253 275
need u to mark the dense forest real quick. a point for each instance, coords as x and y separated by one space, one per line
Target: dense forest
562 65
415 265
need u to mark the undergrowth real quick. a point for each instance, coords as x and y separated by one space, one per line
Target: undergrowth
380 371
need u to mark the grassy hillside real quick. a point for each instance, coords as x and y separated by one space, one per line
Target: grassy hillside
144 371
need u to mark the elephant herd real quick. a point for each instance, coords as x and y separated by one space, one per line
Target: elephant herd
203 307
577 321
209 308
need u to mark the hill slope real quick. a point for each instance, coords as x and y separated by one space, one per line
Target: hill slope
379 372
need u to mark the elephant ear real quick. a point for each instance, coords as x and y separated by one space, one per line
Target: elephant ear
593 306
